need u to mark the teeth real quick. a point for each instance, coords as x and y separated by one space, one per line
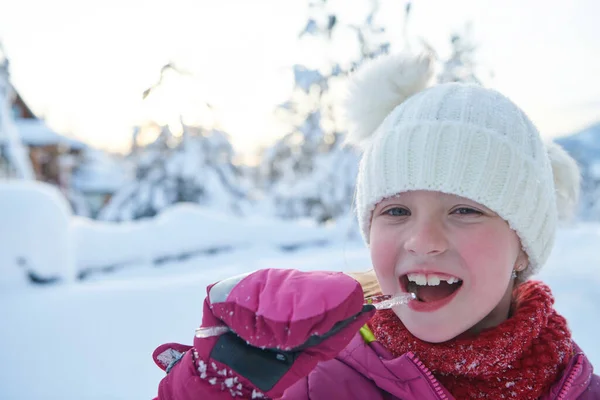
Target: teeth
419 279
431 279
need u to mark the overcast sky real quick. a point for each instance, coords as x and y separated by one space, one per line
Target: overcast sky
84 65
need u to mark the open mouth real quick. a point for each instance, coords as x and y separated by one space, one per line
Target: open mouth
430 288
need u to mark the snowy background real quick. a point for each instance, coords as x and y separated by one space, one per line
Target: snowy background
103 256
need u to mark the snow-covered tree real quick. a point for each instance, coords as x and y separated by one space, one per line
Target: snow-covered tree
327 191
196 167
308 173
461 66
14 160
194 164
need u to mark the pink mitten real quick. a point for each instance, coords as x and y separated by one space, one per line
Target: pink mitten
271 328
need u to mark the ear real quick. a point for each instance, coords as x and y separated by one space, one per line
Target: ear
522 261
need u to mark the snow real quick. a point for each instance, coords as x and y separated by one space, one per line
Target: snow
39 235
99 173
93 340
35 236
35 132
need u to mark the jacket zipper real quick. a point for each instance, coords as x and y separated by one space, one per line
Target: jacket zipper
434 382
569 382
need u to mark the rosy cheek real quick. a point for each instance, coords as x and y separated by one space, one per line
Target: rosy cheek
485 253
383 253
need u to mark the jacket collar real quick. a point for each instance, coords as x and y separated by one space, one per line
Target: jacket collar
400 377
403 378
575 380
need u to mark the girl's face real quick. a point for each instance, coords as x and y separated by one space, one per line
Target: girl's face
456 255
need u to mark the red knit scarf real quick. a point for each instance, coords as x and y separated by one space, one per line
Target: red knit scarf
520 358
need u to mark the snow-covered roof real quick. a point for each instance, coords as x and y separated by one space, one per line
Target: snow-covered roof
35 132
99 173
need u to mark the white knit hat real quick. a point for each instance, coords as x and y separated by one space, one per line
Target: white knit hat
458 139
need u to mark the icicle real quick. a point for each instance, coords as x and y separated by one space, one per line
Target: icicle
385 302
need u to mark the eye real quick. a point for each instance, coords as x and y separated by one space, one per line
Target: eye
397 212
466 211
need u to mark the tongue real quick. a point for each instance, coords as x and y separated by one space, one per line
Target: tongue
435 293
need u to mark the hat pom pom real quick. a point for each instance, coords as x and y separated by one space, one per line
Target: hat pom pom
379 86
567 180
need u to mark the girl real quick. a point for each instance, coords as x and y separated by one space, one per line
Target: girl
458 200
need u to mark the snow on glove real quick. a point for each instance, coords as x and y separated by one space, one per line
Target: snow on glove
278 325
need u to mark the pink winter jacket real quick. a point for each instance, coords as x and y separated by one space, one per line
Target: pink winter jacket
369 371
276 306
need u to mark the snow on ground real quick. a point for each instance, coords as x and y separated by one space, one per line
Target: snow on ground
93 340
34 232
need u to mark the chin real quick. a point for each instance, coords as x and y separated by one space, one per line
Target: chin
436 332
433 337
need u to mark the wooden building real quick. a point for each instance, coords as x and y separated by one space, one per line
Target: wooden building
52 155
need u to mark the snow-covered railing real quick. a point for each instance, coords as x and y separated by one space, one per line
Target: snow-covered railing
42 240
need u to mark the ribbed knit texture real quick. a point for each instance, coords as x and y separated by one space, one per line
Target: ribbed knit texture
468 141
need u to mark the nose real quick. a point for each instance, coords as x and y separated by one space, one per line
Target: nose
426 238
